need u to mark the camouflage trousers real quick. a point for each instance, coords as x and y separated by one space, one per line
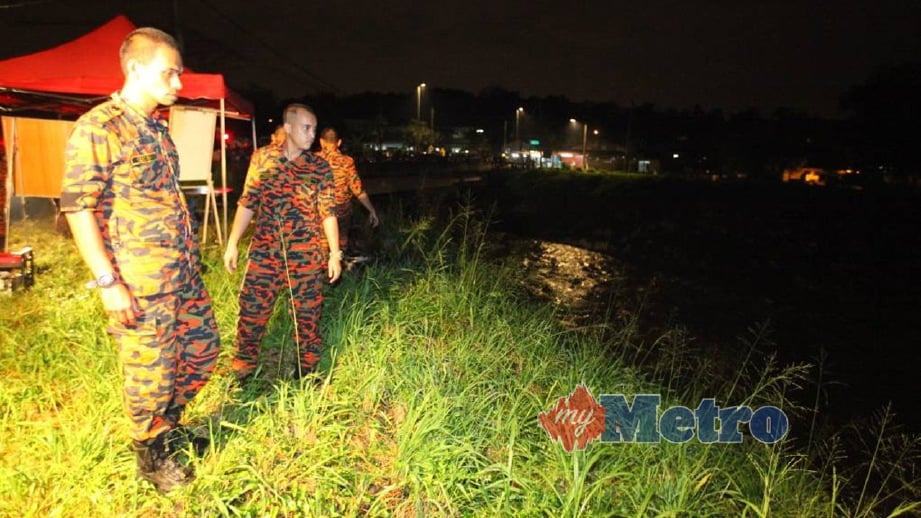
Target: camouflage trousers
268 273
167 356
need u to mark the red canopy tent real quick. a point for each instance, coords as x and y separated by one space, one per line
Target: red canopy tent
69 79
88 66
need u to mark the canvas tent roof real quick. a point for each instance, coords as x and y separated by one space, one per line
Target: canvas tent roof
68 80
74 76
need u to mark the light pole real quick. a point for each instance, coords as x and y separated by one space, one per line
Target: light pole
597 143
584 142
419 101
518 113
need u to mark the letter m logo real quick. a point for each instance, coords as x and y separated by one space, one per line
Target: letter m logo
636 423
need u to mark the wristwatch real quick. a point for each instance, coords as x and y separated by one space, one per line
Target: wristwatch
106 280
336 255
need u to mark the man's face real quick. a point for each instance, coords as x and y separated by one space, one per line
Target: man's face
159 79
302 130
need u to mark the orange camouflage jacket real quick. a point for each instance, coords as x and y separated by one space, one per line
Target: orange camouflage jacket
345 176
290 199
124 166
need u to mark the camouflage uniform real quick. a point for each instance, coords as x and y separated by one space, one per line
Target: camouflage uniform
123 166
290 199
348 184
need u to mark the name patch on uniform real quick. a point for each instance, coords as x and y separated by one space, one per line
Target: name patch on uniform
143 159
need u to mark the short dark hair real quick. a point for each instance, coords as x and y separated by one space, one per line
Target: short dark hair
329 134
292 109
141 44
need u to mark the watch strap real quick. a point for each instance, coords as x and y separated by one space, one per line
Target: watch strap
105 280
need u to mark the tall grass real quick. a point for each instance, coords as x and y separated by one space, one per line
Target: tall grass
436 368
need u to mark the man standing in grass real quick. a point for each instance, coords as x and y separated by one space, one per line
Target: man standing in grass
131 225
348 184
289 193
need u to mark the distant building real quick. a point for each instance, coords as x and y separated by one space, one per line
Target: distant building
812 175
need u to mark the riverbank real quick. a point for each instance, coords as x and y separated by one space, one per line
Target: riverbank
833 272
436 370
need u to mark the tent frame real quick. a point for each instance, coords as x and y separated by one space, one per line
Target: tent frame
221 223
72 86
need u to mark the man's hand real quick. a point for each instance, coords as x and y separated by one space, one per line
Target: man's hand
372 214
230 257
335 268
240 222
117 302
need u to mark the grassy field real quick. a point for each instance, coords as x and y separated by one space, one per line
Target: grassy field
437 367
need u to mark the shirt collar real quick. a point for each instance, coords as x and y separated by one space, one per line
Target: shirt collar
134 114
303 156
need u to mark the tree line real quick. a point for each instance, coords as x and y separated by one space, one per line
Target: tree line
875 131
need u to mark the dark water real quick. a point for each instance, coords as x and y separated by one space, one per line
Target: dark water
835 272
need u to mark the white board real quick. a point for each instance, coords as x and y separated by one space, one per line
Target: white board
193 132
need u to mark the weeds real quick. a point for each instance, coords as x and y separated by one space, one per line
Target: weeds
436 368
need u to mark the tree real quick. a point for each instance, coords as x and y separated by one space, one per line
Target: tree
885 111
420 136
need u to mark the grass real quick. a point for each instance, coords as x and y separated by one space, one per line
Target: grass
437 367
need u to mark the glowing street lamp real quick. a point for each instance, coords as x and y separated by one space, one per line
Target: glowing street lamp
584 141
419 101
518 113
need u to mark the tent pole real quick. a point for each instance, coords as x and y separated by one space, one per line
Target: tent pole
18 186
213 203
217 222
223 168
11 160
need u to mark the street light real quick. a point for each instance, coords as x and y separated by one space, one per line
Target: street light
584 141
419 101
518 113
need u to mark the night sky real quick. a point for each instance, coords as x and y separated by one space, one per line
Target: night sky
799 54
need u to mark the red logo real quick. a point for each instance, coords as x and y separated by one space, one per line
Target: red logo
575 420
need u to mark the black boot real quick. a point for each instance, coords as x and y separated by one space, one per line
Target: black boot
301 372
240 380
180 438
158 467
313 376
